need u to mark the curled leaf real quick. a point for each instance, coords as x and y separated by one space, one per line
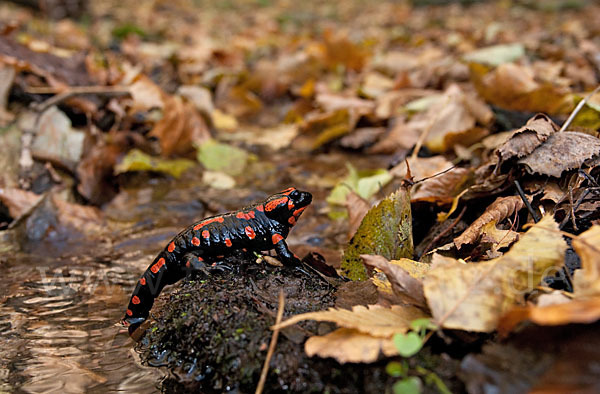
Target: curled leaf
499 210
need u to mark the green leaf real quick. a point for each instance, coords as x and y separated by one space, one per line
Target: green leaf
385 230
395 369
408 344
216 156
496 55
365 183
422 324
411 385
136 160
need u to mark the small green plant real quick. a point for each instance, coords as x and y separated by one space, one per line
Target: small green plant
408 345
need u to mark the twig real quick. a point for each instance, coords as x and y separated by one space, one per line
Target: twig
533 213
75 91
265 369
577 109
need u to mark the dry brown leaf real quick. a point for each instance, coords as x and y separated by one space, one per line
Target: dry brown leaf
349 346
374 320
145 94
499 210
86 219
526 139
454 118
402 136
584 310
561 152
586 281
473 296
357 209
18 201
498 238
362 137
181 127
405 286
513 86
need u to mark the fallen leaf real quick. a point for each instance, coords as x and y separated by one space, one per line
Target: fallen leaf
277 138
526 139
403 136
386 230
362 137
499 210
200 96
561 152
18 201
474 296
349 346
496 55
405 286
216 156
365 183
136 160
490 234
146 95
180 128
513 86
584 310
218 180
586 281
440 188
223 121
374 320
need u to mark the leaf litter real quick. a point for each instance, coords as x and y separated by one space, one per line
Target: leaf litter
411 125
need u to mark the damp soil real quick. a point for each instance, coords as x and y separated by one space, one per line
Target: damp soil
212 333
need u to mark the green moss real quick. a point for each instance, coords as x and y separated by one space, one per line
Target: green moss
385 230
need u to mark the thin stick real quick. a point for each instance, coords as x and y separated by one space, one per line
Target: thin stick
265 369
533 213
577 109
75 91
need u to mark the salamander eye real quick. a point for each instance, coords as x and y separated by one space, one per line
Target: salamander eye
294 193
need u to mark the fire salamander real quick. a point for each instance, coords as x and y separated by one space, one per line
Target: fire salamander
258 227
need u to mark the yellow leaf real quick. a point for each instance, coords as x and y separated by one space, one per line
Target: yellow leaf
374 320
586 281
349 346
474 296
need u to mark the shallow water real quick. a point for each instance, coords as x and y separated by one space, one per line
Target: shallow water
62 296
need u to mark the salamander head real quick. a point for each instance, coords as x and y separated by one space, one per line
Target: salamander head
287 206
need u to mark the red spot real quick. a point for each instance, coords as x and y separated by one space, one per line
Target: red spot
288 190
276 238
271 205
200 259
171 247
196 240
241 215
129 312
250 232
292 220
142 281
298 211
251 214
228 242
290 204
260 208
218 219
188 264
135 300
219 257
244 249
205 234
158 264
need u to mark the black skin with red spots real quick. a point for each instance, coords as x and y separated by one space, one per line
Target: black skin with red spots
258 227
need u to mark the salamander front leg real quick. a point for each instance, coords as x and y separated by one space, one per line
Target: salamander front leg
283 252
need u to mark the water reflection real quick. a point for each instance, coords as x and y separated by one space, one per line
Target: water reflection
58 333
